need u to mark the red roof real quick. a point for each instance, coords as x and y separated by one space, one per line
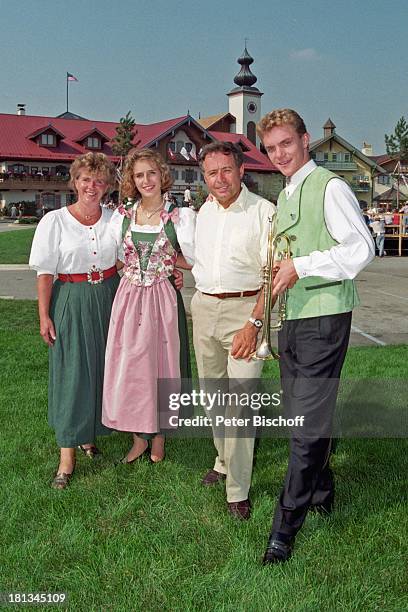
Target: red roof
253 158
16 130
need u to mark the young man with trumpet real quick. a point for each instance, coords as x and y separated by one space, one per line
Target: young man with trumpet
230 250
331 246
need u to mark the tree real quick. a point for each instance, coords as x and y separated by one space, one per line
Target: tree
123 142
397 143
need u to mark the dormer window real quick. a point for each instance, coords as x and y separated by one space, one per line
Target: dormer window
48 140
92 142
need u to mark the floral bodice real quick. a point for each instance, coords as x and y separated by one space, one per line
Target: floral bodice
147 261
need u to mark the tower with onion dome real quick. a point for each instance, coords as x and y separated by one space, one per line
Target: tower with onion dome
245 99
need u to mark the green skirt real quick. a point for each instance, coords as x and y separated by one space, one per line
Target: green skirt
81 314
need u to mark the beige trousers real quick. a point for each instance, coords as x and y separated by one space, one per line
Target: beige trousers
215 322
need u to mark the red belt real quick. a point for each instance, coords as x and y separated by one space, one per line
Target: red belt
94 276
222 296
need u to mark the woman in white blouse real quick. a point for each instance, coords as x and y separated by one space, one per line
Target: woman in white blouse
148 338
76 244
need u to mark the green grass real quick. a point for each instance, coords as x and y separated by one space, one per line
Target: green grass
15 246
149 537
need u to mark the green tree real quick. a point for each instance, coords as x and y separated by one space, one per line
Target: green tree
397 143
123 142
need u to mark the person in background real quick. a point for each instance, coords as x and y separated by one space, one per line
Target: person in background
187 197
75 243
13 212
378 229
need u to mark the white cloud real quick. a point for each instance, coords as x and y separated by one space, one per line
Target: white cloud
304 55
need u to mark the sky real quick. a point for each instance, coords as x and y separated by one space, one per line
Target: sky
161 58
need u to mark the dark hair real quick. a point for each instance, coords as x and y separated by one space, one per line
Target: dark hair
228 148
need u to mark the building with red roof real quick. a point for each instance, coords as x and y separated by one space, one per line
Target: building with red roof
36 152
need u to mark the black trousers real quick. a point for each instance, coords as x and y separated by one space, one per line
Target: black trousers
312 353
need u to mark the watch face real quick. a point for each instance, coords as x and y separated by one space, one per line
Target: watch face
252 107
258 323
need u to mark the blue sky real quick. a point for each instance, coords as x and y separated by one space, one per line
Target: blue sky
158 58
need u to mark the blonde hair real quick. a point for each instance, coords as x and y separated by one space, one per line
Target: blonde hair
278 117
128 184
97 163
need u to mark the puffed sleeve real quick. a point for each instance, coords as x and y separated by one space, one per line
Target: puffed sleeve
116 231
185 230
45 251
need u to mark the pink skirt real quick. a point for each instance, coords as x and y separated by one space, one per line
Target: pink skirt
143 347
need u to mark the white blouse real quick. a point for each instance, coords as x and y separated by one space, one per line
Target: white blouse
185 230
63 245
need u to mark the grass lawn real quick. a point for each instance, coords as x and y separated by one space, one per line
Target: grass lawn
149 537
15 246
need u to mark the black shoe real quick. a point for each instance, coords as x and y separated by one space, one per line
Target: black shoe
90 451
277 551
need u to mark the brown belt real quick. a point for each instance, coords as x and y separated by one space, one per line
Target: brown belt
222 296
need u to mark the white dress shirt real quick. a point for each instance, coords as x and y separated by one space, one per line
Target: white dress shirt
185 228
345 224
231 244
63 245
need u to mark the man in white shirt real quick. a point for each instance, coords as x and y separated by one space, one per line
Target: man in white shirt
230 251
332 244
187 196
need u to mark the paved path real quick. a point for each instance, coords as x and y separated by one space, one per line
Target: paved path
381 318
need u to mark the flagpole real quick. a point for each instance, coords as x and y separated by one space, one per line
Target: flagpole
67 91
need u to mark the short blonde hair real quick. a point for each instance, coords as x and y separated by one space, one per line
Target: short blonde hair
278 117
97 163
128 184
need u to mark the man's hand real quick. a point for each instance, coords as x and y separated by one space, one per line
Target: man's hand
285 277
244 342
178 278
47 331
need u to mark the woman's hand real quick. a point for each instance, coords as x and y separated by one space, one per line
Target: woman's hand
178 279
47 331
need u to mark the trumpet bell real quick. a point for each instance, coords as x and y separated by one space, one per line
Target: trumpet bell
265 352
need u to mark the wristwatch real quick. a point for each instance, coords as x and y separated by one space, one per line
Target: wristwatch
257 322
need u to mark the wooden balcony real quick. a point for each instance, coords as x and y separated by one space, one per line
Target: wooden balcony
33 182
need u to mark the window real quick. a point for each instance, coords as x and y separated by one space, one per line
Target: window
188 146
313 155
92 142
45 171
347 157
334 157
326 157
34 169
179 145
48 200
18 169
174 174
172 146
384 179
189 175
319 156
48 140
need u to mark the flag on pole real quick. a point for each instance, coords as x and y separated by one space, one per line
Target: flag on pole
71 77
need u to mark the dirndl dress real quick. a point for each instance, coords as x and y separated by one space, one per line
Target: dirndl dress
148 338
81 314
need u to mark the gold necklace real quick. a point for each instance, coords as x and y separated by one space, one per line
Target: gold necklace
88 217
149 215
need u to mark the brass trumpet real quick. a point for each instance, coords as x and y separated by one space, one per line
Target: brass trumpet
265 350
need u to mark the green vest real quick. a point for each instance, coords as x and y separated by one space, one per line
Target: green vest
302 217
